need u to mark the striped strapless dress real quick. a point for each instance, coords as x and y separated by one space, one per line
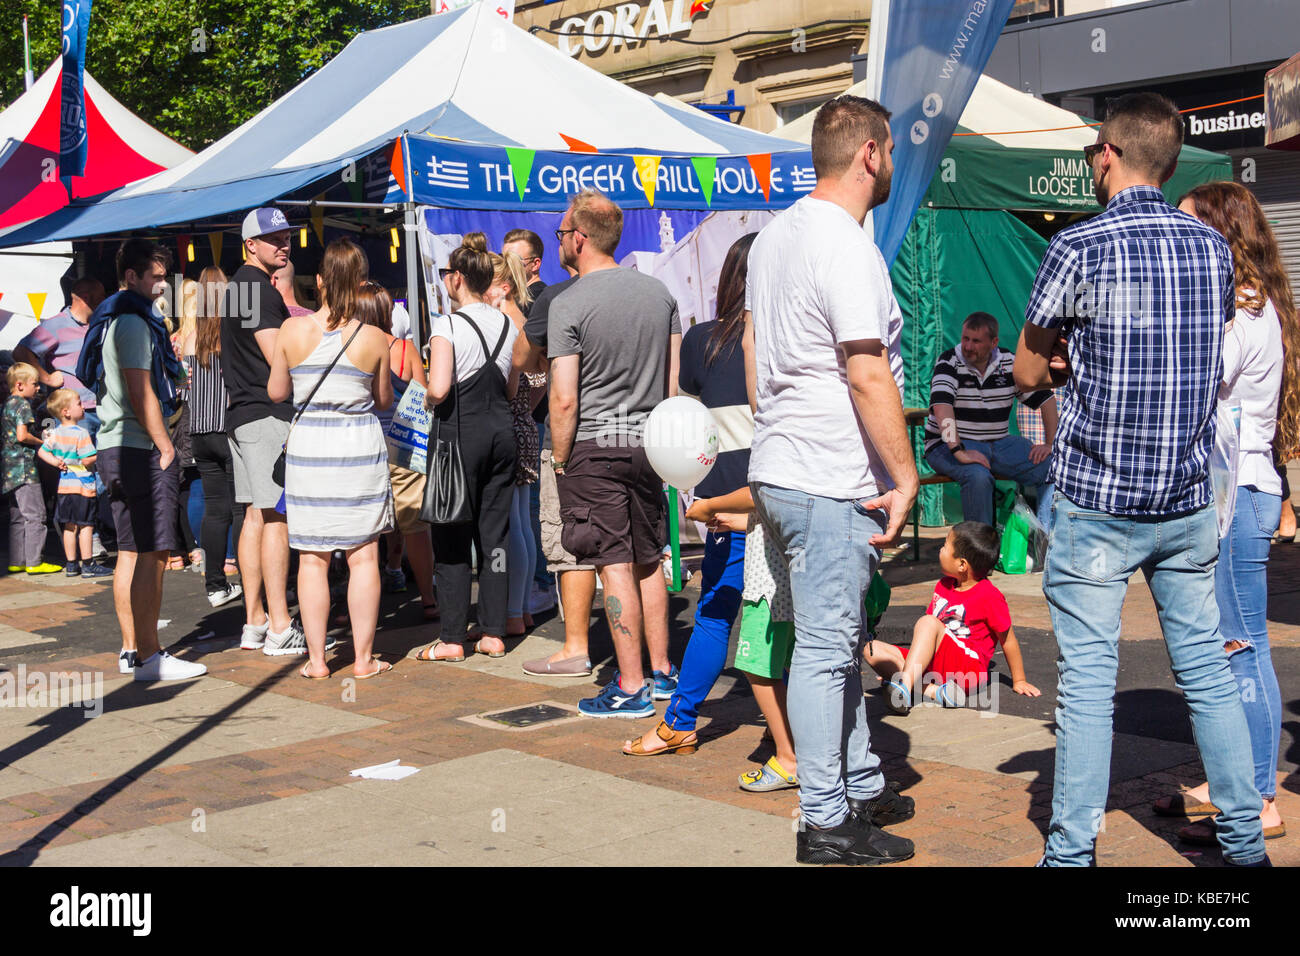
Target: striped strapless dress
337 492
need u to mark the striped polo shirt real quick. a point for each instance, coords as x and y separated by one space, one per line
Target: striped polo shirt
981 402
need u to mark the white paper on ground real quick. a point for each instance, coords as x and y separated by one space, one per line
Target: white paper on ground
163 622
385 771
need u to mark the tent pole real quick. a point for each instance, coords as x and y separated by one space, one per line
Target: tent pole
413 276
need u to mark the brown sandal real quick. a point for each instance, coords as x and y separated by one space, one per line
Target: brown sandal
1179 807
674 740
427 654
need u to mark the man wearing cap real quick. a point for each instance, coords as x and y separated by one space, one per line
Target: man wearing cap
257 427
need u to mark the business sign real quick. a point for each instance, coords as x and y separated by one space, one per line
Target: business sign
611 28
1282 105
458 176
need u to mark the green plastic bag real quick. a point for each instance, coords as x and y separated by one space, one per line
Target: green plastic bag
876 602
1024 541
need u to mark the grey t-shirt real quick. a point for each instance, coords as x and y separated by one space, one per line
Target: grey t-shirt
620 322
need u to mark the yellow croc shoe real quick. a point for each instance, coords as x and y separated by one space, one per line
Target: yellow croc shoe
44 568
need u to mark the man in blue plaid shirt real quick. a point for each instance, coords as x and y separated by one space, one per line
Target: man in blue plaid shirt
1127 315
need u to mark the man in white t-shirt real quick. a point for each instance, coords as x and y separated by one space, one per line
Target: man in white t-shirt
831 467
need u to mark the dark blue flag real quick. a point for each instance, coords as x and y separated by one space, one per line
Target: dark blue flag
935 50
72 107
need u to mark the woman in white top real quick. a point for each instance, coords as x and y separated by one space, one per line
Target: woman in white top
469 371
336 487
1260 351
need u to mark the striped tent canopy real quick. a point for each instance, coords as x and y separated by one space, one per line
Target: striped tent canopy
462 109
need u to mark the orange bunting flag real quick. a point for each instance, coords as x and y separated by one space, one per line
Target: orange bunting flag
214 241
647 170
397 167
761 164
578 146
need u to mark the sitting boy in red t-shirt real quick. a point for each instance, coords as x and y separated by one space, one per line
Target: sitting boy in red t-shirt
956 639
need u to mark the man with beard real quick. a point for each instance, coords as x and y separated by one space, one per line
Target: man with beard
831 467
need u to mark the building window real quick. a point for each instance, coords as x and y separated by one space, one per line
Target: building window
1032 8
789 112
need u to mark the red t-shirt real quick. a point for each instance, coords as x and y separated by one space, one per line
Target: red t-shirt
971 618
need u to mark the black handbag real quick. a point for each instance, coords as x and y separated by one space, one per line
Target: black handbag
277 470
446 490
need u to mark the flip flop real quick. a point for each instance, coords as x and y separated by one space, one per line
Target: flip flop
771 776
898 698
1179 807
303 673
384 668
1203 833
426 654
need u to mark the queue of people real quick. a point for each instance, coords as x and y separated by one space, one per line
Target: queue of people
816 475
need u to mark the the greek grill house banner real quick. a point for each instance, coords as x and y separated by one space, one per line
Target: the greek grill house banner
463 176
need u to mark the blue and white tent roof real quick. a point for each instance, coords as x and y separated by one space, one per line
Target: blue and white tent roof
467 77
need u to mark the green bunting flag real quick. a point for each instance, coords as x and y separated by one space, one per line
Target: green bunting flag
521 166
704 168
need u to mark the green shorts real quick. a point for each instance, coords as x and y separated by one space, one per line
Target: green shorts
764 646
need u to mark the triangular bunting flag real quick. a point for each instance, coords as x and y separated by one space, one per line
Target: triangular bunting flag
761 163
521 167
318 223
214 242
37 299
704 169
578 146
647 170
397 166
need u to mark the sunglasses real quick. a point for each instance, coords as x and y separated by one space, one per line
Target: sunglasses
1090 152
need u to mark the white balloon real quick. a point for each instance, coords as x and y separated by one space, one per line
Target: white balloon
681 441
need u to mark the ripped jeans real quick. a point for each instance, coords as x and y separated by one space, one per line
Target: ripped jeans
1241 589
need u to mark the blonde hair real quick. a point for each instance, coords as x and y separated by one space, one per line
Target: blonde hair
20 372
60 399
508 267
189 317
598 218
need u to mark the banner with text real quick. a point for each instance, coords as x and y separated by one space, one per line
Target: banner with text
72 105
460 176
935 50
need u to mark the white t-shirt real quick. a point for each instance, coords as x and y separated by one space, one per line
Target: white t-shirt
1252 375
469 352
816 280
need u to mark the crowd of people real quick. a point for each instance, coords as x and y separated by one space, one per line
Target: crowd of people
539 396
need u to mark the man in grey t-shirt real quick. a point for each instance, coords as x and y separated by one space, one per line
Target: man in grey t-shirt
613 340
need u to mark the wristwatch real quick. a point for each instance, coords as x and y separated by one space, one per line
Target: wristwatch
558 466
960 446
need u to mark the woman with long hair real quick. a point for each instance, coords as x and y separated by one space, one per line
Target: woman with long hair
336 488
509 293
189 504
411 537
712 367
1261 349
210 446
469 365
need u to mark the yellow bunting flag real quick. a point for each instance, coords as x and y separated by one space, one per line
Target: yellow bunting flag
318 223
37 299
214 240
647 170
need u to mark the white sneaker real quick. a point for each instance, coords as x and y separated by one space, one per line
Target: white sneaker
223 597
253 636
162 666
288 642
126 662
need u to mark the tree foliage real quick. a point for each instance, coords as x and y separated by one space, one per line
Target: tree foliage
196 69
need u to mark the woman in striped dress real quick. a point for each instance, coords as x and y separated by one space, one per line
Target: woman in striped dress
337 494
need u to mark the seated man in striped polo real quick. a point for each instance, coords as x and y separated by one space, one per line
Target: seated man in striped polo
966 434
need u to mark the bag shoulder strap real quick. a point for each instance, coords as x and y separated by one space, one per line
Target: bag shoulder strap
298 413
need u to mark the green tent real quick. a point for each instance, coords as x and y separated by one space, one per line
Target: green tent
968 251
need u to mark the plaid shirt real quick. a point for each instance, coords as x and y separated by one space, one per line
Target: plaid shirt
1143 293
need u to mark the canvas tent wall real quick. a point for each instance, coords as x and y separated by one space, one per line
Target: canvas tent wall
967 251
122 148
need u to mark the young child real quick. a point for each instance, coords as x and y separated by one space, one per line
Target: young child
966 620
22 485
70 449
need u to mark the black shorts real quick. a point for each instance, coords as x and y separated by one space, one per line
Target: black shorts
143 498
611 506
75 511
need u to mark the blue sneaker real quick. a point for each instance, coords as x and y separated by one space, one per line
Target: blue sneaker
613 701
666 684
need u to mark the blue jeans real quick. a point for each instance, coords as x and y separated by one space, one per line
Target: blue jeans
1241 587
1009 457
722 579
825 544
1089 561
